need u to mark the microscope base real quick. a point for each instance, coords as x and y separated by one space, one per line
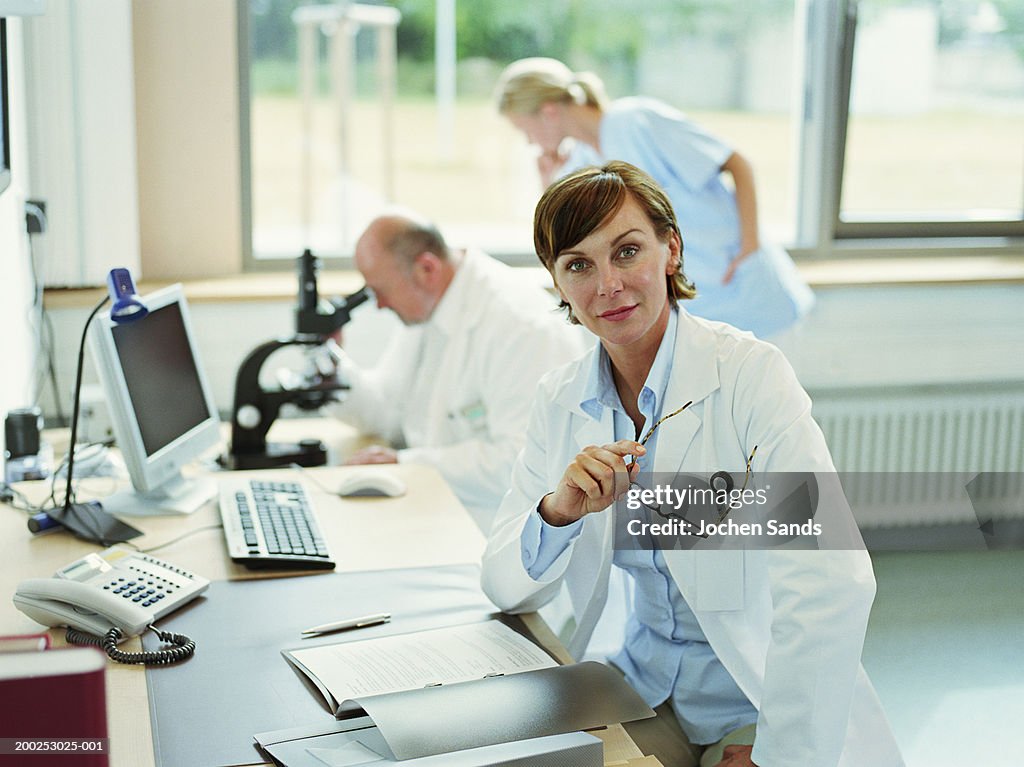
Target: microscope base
277 454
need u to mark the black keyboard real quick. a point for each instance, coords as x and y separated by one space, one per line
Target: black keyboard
272 525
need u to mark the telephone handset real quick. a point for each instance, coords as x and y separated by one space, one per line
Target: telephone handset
55 602
113 595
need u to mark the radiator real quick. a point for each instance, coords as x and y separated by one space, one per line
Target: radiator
927 440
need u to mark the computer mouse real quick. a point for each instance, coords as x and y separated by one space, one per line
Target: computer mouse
371 484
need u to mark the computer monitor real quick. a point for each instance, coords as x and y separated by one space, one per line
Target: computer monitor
160 403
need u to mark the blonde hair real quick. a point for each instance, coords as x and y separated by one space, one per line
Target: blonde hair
577 205
526 85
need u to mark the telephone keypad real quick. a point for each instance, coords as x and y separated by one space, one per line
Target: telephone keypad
144 592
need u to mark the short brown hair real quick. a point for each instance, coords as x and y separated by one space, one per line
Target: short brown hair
577 205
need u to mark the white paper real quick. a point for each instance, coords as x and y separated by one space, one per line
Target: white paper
420 659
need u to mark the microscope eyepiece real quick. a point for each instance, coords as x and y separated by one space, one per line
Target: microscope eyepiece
358 298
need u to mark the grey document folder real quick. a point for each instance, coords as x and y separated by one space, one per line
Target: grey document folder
461 720
344 747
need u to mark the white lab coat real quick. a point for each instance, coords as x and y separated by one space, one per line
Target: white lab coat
788 625
457 390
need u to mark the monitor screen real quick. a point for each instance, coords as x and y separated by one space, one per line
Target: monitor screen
162 378
5 115
160 403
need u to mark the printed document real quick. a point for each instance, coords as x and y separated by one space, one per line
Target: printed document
420 659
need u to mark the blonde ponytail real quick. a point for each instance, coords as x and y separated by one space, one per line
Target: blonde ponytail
526 85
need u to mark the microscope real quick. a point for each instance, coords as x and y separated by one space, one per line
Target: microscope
256 408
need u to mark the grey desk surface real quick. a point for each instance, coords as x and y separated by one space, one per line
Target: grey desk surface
206 710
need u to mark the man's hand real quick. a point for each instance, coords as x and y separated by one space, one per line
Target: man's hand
736 756
373 454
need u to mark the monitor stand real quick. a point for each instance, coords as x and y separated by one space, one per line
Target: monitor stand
179 496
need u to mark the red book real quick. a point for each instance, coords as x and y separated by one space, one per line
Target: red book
53 710
24 642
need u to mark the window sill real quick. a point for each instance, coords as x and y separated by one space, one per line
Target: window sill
907 271
255 287
839 273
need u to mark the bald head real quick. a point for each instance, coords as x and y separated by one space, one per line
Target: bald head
405 236
406 262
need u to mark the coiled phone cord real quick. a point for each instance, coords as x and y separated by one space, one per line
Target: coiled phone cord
183 649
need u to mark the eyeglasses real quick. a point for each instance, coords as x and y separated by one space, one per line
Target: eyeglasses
651 431
720 482
730 484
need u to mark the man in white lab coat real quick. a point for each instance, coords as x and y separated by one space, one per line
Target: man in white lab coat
454 389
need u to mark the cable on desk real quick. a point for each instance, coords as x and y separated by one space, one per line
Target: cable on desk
182 647
18 500
36 223
81 455
312 478
15 498
181 537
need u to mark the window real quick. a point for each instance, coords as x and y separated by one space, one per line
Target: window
319 171
903 120
936 119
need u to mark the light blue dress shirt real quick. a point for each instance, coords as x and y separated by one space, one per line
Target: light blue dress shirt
665 654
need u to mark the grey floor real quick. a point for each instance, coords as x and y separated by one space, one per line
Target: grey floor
945 650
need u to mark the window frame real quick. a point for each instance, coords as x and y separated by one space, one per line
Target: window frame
940 227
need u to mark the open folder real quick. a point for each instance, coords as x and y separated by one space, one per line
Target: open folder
346 671
532 716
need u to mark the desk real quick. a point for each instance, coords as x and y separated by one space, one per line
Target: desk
426 527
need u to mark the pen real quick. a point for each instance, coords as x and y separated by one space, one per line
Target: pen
350 623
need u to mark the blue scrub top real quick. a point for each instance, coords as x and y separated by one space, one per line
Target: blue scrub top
767 294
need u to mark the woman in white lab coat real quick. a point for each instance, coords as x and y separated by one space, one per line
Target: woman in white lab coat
760 649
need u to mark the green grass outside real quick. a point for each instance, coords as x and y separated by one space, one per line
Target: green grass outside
946 161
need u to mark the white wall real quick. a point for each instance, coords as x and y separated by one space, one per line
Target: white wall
15 290
188 137
895 336
874 336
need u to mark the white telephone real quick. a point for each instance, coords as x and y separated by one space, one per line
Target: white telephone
115 594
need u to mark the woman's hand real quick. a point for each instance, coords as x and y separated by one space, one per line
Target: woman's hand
736 756
746 209
742 256
548 164
592 482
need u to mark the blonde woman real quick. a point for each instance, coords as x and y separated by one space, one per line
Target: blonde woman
739 278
